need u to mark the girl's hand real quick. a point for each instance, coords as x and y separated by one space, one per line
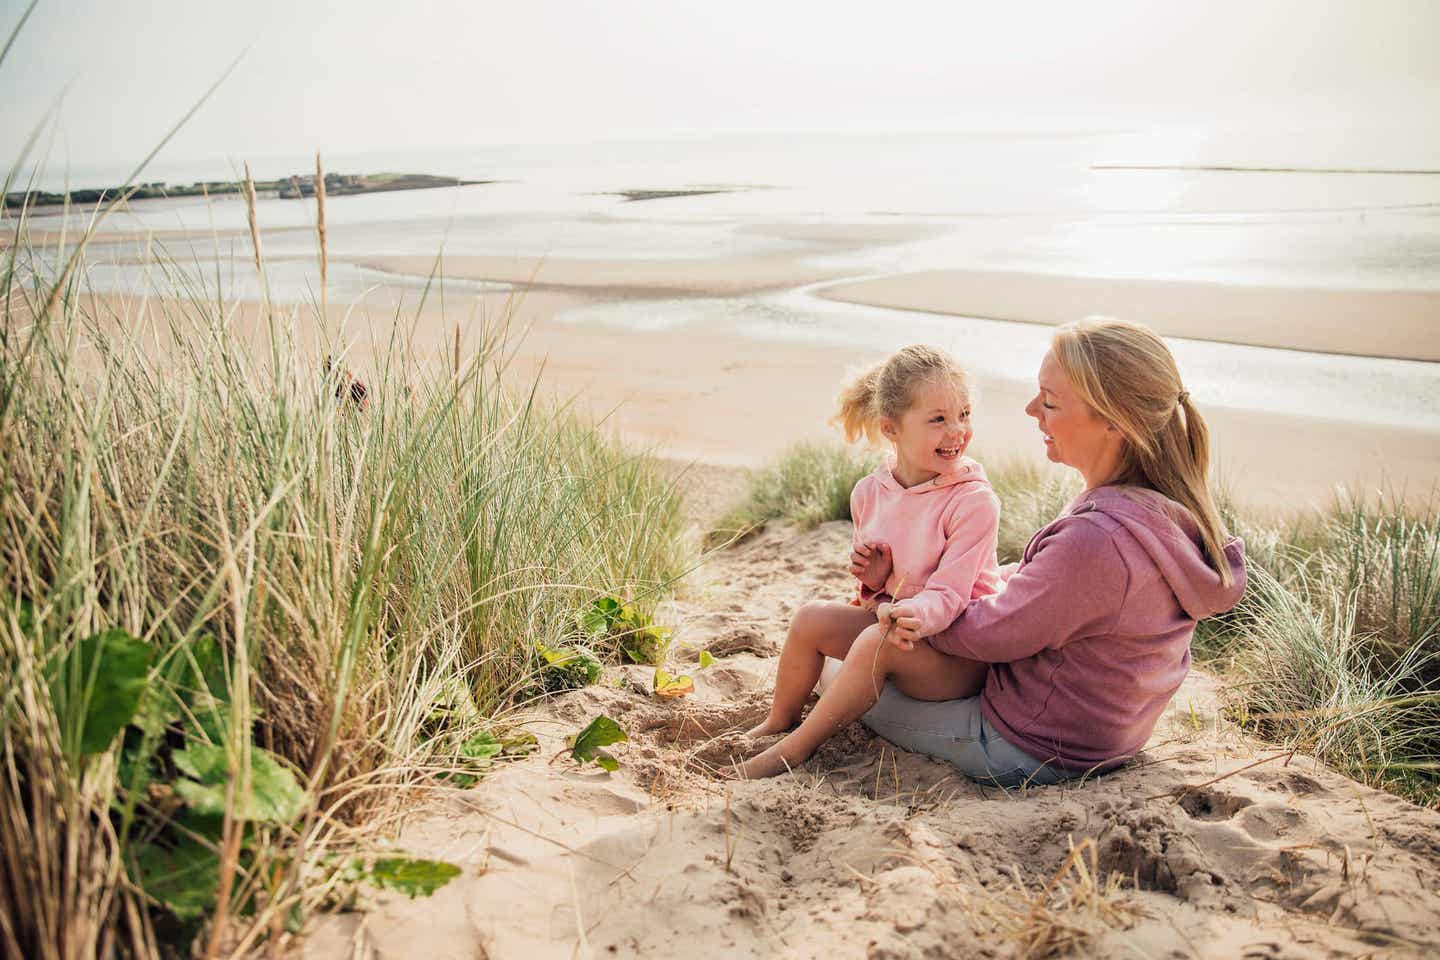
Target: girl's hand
870 563
901 626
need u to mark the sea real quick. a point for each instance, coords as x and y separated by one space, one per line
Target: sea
1121 199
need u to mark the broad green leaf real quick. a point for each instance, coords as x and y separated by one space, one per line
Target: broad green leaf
114 667
411 876
606 761
184 878
669 687
598 618
482 746
275 796
706 659
601 732
593 622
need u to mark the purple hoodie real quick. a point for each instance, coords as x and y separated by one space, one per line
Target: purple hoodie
1090 636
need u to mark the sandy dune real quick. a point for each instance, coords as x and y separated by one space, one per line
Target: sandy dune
871 852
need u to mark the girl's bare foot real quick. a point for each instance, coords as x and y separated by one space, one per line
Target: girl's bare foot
769 763
771 727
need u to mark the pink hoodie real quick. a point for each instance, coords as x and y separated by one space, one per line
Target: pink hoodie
941 534
1090 636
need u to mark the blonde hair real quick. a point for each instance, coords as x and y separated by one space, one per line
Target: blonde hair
1126 374
887 389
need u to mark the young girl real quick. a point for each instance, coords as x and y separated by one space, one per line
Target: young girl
925 530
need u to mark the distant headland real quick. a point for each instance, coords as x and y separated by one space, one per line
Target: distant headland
286 188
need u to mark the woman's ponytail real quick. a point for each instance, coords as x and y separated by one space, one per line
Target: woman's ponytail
1128 377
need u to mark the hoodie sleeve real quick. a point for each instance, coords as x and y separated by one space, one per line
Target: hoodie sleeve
970 539
860 500
1073 585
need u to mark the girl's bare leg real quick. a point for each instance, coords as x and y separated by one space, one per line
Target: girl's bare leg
819 630
923 673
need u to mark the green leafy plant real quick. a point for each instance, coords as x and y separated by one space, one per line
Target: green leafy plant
104 675
610 619
478 753
412 876
586 746
273 796
566 668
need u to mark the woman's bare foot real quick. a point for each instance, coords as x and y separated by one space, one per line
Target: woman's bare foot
771 727
768 763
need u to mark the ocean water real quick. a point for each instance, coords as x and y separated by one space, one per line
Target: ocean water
1078 200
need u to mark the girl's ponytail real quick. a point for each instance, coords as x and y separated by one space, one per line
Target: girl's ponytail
857 414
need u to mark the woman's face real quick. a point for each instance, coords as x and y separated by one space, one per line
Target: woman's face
1075 434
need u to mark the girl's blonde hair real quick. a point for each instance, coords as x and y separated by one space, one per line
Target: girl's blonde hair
1128 377
887 389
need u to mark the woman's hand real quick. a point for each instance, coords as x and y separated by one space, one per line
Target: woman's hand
901 626
870 563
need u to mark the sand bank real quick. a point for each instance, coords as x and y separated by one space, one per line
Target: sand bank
1223 848
1374 323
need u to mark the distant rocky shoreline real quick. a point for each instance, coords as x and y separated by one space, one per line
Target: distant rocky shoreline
286 188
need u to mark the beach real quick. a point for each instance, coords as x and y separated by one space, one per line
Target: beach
1223 846
658 349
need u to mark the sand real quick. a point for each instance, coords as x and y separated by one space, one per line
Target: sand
1220 846
1371 323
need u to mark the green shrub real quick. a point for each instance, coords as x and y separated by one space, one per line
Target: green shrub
808 485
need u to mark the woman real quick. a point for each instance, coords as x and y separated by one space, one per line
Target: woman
1089 636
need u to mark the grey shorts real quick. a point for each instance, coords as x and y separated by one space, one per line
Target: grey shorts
956 732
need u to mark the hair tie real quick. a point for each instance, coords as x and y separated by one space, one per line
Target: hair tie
1184 395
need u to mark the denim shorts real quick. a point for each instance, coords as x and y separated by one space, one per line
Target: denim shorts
956 732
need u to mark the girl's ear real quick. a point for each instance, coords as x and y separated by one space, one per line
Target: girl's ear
888 429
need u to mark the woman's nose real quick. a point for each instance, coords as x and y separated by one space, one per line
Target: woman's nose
1033 408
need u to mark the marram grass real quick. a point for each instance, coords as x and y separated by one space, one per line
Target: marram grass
236 613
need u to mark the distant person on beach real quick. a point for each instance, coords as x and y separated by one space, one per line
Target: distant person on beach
1088 637
926 524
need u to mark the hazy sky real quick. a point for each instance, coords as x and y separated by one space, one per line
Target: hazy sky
377 74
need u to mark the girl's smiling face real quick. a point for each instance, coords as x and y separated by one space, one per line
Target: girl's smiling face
931 436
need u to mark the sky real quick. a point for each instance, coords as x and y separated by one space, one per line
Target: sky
364 75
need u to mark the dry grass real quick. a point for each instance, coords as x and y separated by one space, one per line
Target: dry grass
1073 908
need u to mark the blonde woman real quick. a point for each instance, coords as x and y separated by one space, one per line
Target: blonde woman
1088 637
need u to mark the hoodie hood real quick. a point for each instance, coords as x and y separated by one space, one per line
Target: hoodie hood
966 471
1168 533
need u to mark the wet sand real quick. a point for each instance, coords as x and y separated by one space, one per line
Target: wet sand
1403 324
